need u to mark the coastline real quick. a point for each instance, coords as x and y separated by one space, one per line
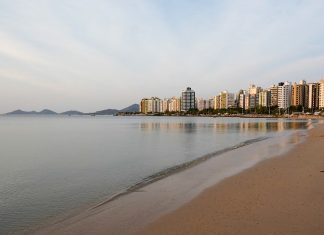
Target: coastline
148 203
282 195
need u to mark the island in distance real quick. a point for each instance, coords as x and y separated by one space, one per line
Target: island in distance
130 109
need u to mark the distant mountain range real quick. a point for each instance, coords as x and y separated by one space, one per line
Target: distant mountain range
130 109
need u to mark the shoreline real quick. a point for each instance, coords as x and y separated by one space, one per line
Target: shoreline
282 195
110 217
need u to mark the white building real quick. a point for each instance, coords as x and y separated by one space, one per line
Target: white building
284 95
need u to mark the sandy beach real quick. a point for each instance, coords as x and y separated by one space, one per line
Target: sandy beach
243 191
283 195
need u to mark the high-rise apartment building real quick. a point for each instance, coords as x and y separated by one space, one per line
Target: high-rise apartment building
274 96
151 105
241 101
254 90
211 103
284 95
298 94
202 104
188 99
264 98
226 100
321 94
217 102
313 96
174 104
247 101
165 105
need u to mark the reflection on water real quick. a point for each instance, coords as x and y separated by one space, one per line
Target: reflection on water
242 126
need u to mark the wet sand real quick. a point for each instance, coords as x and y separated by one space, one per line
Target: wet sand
283 195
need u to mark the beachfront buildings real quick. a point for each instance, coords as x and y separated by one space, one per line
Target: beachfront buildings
188 99
300 97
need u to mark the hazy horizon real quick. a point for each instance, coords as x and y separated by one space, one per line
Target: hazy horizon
93 55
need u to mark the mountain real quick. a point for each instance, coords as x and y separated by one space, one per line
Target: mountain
130 109
107 112
72 112
47 112
21 112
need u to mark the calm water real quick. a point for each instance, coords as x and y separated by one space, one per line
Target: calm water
51 165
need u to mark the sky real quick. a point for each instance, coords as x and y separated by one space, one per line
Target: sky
90 55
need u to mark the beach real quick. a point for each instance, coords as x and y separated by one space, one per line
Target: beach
283 195
271 186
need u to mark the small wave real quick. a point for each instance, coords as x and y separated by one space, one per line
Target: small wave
177 168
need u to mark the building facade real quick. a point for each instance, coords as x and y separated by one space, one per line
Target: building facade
321 94
151 105
284 95
264 98
298 94
313 96
274 95
188 99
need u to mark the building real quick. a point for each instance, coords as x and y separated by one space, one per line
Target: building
226 100
241 100
252 97
188 99
247 101
321 94
298 94
254 90
313 96
217 102
284 95
151 105
201 103
264 98
254 100
174 104
274 96
211 103
165 105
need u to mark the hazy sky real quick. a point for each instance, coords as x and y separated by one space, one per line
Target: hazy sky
90 55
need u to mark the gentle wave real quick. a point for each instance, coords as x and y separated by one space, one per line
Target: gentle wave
177 168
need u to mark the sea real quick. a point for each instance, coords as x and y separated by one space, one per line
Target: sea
54 165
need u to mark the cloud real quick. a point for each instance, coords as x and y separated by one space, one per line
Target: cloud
112 53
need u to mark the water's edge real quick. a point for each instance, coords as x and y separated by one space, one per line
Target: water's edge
176 169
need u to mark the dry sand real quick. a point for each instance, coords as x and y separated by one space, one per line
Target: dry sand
283 195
